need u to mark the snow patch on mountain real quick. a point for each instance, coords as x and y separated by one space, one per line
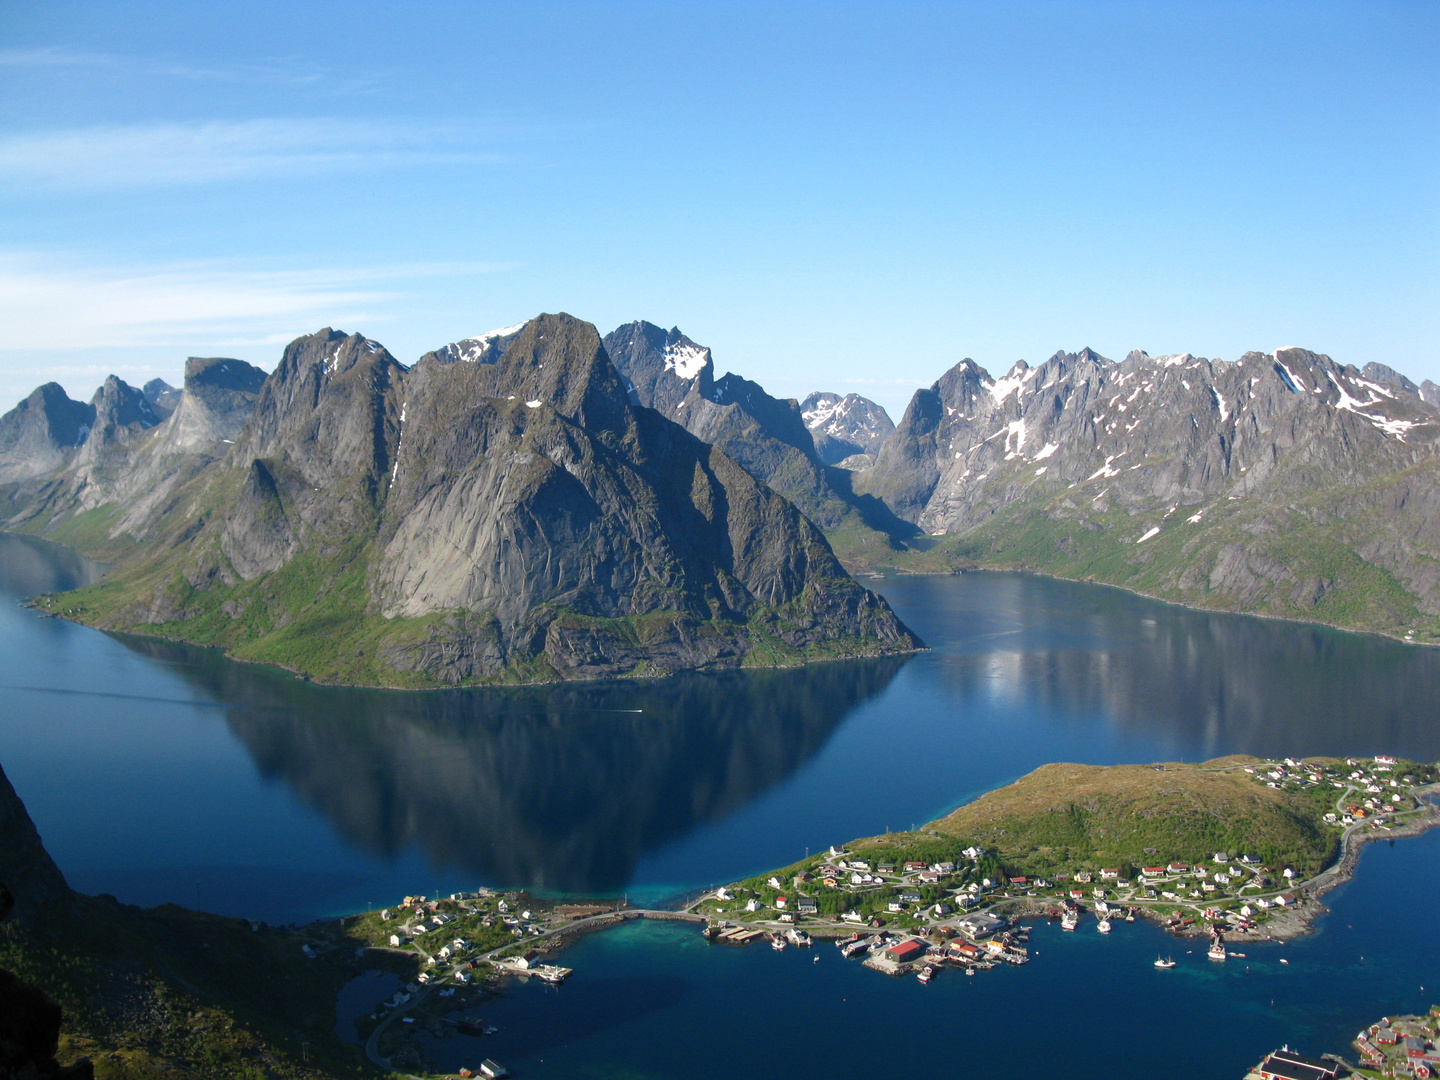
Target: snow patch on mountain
686 361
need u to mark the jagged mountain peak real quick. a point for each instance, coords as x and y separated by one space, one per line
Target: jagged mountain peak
118 403
847 430
481 349
1187 428
660 366
162 396
42 432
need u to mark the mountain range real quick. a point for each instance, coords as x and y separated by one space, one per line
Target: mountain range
500 511
520 506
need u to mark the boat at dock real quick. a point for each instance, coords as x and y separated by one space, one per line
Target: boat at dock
926 973
1103 926
777 942
1070 919
1217 950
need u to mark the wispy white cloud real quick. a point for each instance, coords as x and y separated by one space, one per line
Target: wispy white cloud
50 304
293 71
186 153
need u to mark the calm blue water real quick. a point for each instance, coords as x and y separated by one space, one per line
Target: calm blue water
242 790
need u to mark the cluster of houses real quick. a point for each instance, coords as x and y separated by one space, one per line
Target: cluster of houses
1377 790
1402 1046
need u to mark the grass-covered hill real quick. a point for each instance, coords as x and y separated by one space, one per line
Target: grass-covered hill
1065 816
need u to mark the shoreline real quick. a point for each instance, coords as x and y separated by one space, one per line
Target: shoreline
898 571
225 651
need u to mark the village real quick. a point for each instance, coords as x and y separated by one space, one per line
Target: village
1398 1046
967 910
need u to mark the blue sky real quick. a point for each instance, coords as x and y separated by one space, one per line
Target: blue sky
845 197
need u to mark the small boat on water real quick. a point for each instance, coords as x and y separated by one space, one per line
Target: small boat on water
817 959
1103 926
1284 961
1164 964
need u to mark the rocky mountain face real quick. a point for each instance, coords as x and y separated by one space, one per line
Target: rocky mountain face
493 513
132 453
848 431
162 396
767 436
42 433
1282 482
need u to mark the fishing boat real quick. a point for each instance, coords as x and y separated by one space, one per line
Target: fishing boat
1164 964
777 942
1217 950
1070 919
1103 926
926 973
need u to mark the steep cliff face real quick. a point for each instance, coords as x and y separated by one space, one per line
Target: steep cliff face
766 436
1283 482
484 517
42 433
317 453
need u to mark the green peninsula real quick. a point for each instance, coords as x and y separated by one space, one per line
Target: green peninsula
1237 834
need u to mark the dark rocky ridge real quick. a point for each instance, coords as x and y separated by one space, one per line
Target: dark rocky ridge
30 882
481 516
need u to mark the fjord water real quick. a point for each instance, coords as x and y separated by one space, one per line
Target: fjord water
163 772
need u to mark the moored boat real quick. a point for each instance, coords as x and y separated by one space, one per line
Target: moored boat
1103 926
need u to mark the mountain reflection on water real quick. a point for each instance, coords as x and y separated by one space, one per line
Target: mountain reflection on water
243 789
552 787
1208 683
